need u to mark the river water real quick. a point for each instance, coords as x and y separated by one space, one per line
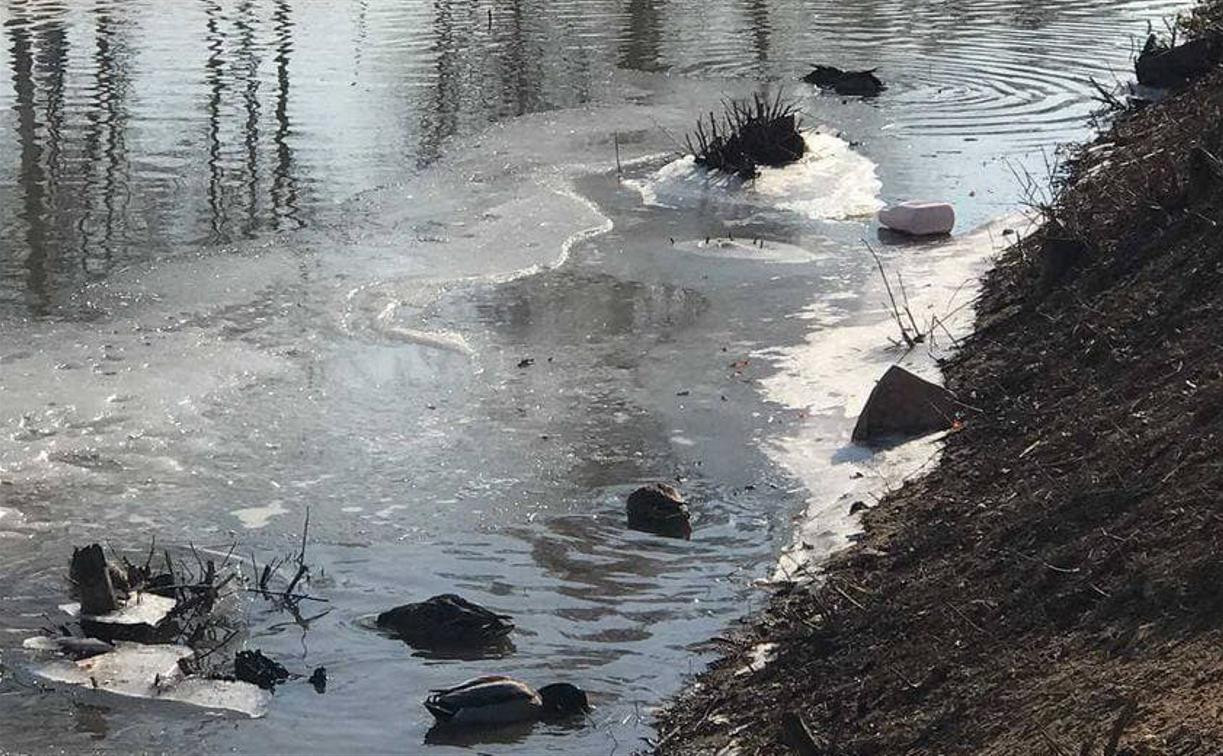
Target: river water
373 259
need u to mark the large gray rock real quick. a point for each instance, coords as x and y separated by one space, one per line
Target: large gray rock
902 404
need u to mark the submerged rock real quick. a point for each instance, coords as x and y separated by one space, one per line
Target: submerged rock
660 509
902 404
850 83
446 621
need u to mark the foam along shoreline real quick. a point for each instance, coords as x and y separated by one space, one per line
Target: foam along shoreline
830 182
829 377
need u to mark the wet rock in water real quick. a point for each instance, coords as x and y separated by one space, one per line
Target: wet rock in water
857 506
901 404
849 83
446 621
660 509
917 218
1165 67
318 678
91 575
255 668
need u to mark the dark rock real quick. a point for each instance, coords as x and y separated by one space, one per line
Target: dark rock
857 507
853 83
446 621
318 678
255 668
658 508
902 404
1161 66
91 575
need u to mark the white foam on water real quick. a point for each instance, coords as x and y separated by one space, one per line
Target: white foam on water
830 182
827 379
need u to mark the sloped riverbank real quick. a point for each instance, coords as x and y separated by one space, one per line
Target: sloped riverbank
1054 585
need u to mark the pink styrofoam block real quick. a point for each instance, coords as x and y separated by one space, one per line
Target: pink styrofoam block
919 218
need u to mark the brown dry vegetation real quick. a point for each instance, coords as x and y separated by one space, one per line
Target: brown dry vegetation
1055 585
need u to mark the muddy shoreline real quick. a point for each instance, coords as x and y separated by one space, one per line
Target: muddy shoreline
1054 584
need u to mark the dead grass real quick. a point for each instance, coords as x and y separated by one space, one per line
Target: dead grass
1055 585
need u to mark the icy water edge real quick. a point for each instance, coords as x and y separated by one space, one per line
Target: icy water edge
265 256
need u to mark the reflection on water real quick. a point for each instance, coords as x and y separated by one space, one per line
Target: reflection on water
92 720
132 130
573 307
440 735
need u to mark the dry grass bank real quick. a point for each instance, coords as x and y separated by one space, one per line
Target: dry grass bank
1056 584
